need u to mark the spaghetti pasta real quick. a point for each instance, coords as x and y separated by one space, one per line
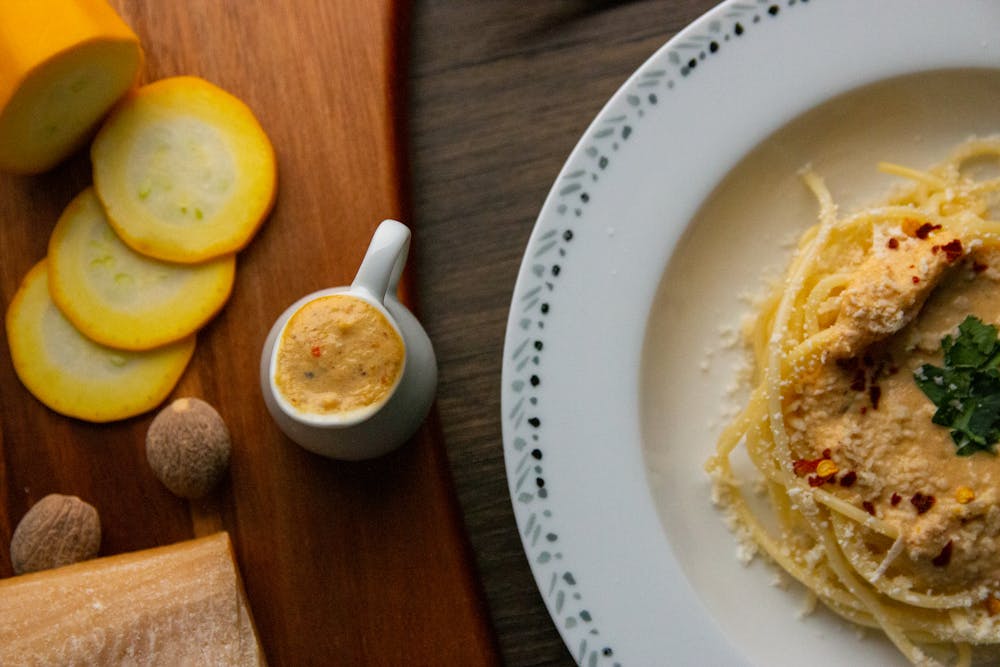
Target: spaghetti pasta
878 516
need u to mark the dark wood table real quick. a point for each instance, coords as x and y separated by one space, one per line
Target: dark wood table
500 92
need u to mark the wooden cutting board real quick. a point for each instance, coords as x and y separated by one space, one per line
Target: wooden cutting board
344 563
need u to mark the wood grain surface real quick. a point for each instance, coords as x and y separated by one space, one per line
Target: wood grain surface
343 563
501 92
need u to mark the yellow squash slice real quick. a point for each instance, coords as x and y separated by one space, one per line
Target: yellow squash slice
119 298
63 64
184 170
75 376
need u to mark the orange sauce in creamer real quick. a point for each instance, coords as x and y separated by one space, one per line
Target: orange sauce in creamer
338 354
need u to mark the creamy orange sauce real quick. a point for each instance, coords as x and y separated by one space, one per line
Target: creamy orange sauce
338 354
865 407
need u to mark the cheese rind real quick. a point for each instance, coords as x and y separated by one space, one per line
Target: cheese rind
176 605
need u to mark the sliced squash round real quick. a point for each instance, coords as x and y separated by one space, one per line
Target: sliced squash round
63 64
77 377
184 170
120 298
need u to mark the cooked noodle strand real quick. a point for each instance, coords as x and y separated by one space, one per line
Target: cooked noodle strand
851 560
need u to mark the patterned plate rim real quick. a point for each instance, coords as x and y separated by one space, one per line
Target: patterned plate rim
718 31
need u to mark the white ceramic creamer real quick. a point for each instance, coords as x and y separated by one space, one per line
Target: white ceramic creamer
349 372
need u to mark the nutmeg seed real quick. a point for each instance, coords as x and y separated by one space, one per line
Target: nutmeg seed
58 530
187 446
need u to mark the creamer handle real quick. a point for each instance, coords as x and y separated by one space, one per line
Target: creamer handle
383 264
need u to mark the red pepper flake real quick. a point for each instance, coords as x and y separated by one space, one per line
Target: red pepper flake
874 394
916 280
992 605
978 267
895 499
864 409
816 480
869 507
924 230
953 249
859 381
317 351
893 244
849 364
943 558
804 467
849 479
922 502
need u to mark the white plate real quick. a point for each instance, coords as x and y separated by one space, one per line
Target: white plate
616 370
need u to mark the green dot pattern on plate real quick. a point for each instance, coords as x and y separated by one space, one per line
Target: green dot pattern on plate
549 263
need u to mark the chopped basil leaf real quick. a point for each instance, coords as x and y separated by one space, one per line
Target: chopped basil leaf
966 391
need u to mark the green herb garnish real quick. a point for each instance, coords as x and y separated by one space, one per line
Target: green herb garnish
967 390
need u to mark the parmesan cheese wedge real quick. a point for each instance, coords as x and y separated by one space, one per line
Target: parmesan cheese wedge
177 605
